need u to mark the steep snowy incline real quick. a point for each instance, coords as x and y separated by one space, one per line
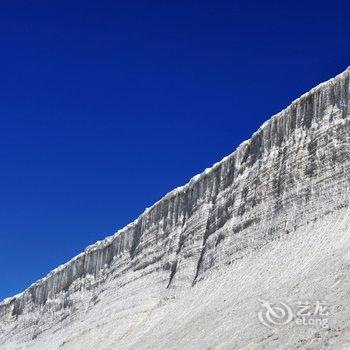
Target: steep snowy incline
291 176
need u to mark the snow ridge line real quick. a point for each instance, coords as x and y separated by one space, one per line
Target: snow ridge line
99 245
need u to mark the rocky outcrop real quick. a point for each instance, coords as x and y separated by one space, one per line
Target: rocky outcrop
292 172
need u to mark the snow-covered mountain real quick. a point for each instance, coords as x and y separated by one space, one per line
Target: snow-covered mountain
211 263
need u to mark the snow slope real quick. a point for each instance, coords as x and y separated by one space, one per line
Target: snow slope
269 222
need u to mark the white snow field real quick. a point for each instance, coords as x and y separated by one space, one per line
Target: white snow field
252 254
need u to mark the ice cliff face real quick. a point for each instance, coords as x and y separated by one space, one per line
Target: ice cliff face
220 233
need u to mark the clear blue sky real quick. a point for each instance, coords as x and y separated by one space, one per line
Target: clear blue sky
106 106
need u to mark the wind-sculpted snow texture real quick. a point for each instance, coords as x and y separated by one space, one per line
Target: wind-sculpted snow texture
269 221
